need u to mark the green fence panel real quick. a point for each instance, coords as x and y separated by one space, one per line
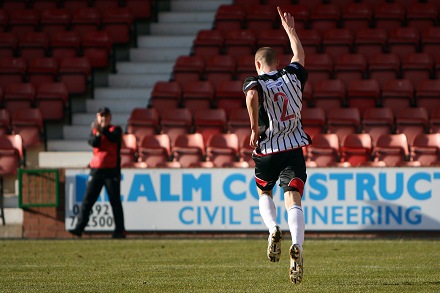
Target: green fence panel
38 188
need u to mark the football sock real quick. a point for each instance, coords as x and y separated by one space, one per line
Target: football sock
268 211
295 219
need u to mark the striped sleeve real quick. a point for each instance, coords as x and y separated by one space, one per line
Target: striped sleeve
249 83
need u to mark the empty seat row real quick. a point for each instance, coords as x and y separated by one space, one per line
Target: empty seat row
188 150
325 15
140 9
390 150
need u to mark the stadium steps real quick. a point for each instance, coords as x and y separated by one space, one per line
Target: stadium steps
152 60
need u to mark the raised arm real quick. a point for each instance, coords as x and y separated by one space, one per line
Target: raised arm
288 23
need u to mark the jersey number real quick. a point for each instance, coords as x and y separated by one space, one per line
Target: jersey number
284 117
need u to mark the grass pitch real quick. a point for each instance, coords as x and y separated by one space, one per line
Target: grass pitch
216 265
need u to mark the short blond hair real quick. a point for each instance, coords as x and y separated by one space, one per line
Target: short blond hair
267 56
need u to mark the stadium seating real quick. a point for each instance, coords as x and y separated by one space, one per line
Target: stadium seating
422 14
311 40
383 66
12 70
222 148
220 68
434 121
324 16
238 123
166 95
209 121
320 67
29 124
189 148
389 15
229 17
75 73
19 96
313 120
97 47
140 9
245 67
391 148
377 121
176 121
430 40
356 148
154 149
65 44
33 45
240 42
349 67
86 19
8 44
129 150
412 121
117 21
42 70
22 21
337 41
300 12
53 100
329 94
11 155
188 68
404 40
54 20
427 93
357 15
343 121
397 94
246 151
208 43
325 149
417 67
425 148
363 94
274 38
260 17
370 41
229 95
5 122
198 95
143 121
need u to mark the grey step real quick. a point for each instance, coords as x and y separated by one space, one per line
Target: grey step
124 94
144 67
67 158
178 29
198 5
88 118
125 80
165 41
117 106
185 17
158 54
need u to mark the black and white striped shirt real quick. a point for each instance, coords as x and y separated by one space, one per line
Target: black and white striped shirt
280 97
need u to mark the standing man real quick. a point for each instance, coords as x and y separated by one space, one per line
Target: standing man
274 103
105 170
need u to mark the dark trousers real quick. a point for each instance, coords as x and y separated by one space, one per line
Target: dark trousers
111 179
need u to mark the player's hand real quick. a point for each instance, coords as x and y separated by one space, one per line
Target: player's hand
253 141
287 20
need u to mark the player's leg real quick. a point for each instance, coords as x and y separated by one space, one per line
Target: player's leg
93 189
113 186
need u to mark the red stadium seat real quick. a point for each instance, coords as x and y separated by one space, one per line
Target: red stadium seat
176 121
8 44
329 94
391 148
325 149
140 9
384 66
55 20
430 40
143 121
261 16
210 121
86 19
313 121
404 40
41 70
397 94
356 148
5 122
13 5
74 5
166 95
412 121
422 15
222 148
427 94
188 149
129 150
389 15
75 73
28 123
425 148
434 121
105 4
52 99
343 121
246 151
357 15
320 67
97 47
43 5
377 121
240 42
246 67
324 16
311 40
300 12
239 123
117 21
198 95
11 154
65 44
12 70
275 38
33 45
208 43
363 94
188 68
229 95
417 67
350 67
24 20
220 68
370 41
154 149
337 41
229 17
19 96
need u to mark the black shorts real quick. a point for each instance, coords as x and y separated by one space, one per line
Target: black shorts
289 167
